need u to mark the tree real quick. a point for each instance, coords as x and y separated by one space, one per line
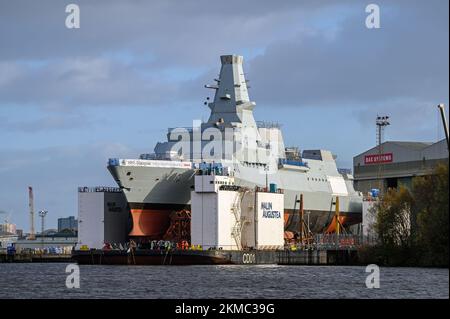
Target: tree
431 208
413 225
393 225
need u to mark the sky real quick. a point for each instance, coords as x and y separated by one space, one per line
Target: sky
72 98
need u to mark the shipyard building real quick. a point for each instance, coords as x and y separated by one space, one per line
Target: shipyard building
394 163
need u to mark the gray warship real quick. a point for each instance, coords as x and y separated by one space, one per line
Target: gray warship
157 184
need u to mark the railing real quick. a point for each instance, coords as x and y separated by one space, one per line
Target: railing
99 189
180 129
149 156
267 190
212 169
334 241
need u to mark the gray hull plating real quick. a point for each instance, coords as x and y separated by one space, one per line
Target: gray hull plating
150 185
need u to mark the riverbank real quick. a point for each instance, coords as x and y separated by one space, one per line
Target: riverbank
398 257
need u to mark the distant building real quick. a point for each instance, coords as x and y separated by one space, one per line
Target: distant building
19 233
51 232
6 239
396 163
50 240
8 228
69 223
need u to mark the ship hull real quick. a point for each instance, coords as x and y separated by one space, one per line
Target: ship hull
153 193
173 186
153 220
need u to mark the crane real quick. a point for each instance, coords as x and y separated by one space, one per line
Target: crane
7 216
444 122
31 206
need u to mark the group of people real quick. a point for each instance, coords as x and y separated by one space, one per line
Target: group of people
152 245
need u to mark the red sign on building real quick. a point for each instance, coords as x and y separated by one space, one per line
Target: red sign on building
378 158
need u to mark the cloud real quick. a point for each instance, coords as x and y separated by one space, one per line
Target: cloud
159 53
170 32
82 82
47 123
406 59
130 53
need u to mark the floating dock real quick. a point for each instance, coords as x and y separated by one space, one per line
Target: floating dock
34 258
215 257
228 224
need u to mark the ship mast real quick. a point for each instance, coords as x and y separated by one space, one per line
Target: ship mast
231 100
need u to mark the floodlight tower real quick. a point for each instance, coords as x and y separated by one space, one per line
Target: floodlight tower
381 122
42 214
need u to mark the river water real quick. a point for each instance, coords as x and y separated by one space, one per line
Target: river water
40 280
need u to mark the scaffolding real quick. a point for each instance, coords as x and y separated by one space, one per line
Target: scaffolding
305 234
180 227
239 219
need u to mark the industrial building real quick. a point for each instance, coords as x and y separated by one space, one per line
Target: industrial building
103 217
394 163
60 243
8 228
6 239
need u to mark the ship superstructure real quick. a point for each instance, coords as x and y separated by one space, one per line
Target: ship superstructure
252 152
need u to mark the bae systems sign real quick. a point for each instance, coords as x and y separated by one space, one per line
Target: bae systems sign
378 158
268 212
